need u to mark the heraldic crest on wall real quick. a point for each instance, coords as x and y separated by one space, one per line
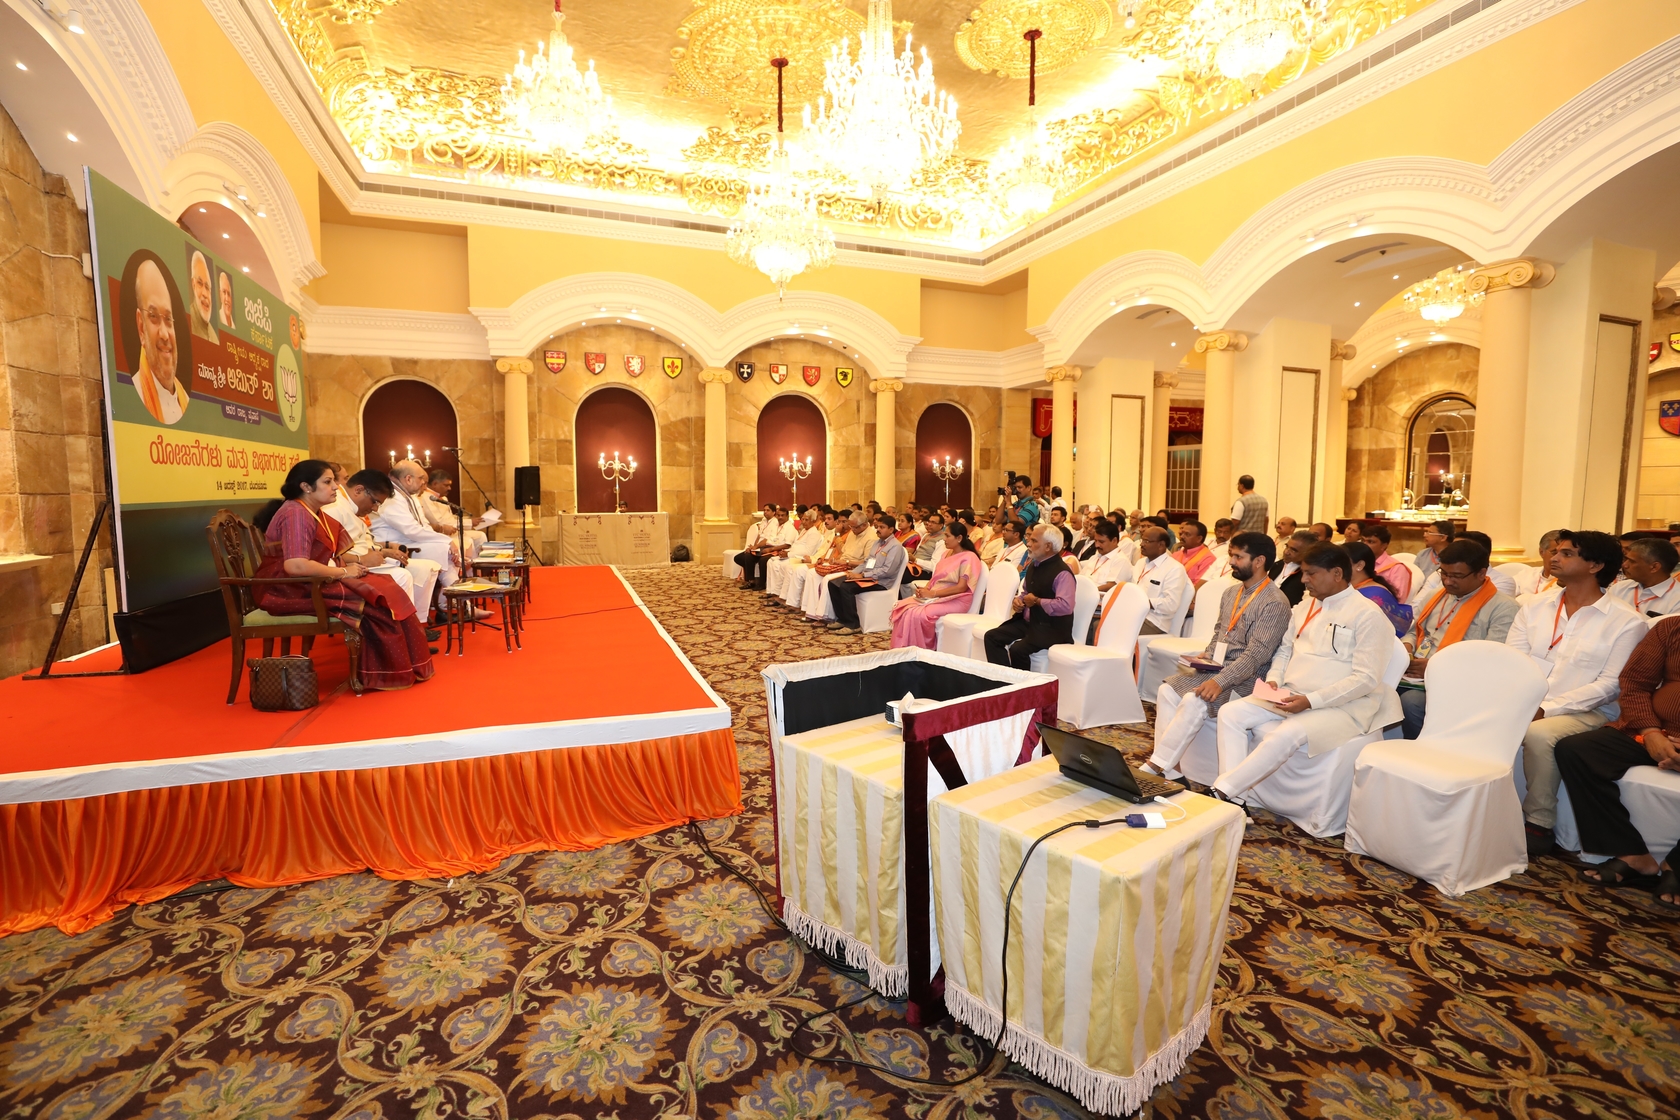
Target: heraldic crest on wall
744 370
673 367
812 375
1668 417
778 372
634 364
594 363
555 360
843 374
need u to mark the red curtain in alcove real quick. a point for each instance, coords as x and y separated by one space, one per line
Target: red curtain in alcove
942 430
616 421
792 424
400 413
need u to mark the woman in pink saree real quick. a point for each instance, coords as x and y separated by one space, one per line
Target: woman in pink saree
949 591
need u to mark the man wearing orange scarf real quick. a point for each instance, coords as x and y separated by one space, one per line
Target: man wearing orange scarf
1468 608
1198 559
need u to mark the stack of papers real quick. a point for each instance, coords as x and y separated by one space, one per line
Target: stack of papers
477 585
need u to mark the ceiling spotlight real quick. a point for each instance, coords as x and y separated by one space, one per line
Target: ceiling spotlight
72 137
225 236
21 66
1356 303
1397 276
1173 344
262 214
1131 20
202 210
73 22
245 268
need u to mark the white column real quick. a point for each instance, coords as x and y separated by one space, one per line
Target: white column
886 390
1218 486
717 444
1062 379
1502 400
516 426
1160 437
1336 445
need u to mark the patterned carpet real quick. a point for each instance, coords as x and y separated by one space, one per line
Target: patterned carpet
640 981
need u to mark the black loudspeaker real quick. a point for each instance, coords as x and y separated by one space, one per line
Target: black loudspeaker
527 487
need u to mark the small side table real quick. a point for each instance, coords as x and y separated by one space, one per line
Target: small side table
515 568
460 604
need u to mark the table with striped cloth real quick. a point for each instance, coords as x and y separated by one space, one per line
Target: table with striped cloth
1116 932
840 806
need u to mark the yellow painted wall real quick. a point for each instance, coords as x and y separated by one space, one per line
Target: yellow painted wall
219 87
972 321
393 269
1490 99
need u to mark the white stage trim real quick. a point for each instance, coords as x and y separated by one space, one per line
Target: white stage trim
367 754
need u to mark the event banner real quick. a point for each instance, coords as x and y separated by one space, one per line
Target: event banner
203 392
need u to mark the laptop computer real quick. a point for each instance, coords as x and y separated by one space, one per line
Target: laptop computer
1102 766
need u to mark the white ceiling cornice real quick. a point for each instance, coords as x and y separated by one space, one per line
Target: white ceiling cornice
999 369
393 334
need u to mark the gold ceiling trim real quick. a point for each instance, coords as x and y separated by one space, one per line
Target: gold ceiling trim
990 40
728 45
358 11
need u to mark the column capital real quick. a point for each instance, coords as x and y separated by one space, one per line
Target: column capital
1349 395
1063 373
514 365
1222 340
1519 272
885 385
1663 298
712 375
1166 380
1342 351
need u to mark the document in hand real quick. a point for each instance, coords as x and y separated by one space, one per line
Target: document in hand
1271 696
491 517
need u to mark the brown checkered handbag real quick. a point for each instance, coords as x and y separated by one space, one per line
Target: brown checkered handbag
283 684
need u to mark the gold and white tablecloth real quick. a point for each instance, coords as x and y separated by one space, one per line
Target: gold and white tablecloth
1115 932
840 816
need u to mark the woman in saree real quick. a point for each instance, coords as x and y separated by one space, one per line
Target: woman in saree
303 541
1374 587
950 590
906 534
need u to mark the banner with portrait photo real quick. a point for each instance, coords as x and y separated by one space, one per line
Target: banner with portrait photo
203 395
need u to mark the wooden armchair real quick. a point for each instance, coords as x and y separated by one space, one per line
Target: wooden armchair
238 549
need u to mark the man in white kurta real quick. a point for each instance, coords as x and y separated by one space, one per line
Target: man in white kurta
358 496
815 600
400 520
836 531
806 545
1162 579
1334 652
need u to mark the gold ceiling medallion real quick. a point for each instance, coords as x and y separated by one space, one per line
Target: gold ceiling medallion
742 144
727 41
358 11
990 39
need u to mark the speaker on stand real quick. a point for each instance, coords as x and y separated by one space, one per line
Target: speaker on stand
527 491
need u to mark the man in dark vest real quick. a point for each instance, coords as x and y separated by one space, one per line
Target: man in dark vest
1043 607
1251 512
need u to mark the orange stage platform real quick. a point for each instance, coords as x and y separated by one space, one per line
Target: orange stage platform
116 790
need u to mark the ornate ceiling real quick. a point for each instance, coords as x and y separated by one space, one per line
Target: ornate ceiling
416 87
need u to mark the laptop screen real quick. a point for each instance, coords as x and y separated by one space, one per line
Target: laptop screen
1098 759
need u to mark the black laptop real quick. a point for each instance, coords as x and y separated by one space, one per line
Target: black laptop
1103 766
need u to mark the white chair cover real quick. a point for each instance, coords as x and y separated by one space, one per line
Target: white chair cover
1525 576
954 633
1145 641
1652 798
1314 792
1164 650
1085 597
1417 573
1444 807
1097 688
875 610
1405 557
732 570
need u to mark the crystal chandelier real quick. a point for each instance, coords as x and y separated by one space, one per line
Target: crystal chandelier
562 108
881 118
777 231
1442 297
1244 40
1030 181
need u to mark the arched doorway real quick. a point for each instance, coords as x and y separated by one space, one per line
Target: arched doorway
616 423
943 430
402 413
791 425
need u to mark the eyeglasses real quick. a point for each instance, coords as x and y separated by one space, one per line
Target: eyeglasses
160 319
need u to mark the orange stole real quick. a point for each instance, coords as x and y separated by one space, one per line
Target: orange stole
1460 625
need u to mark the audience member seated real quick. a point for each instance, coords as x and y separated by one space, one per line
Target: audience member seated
1043 608
1162 579
805 547
1580 638
836 532
440 512
921 561
361 494
1286 570
1322 532
1223 530
1197 559
777 538
1431 585
1354 531
881 569
950 591
1647 733
1252 619
1375 536
1286 527
1648 584
1548 546
303 542
815 600
1331 662
1107 565
1377 589
1437 536
1466 607
400 520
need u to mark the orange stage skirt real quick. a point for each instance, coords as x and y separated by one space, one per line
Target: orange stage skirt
75 862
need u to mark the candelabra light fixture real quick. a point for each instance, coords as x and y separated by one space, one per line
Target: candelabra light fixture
561 107
945 472
424 459
616 471
778 231
793 470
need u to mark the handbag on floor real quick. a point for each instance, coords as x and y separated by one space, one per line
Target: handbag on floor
283 684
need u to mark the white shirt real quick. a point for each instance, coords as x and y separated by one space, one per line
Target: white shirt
398 518
343 510
1166 583
1113 568
168 403
1581 654
1662 599
1334 650
1285 572
810 543
1013 553
786 534
1130 548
